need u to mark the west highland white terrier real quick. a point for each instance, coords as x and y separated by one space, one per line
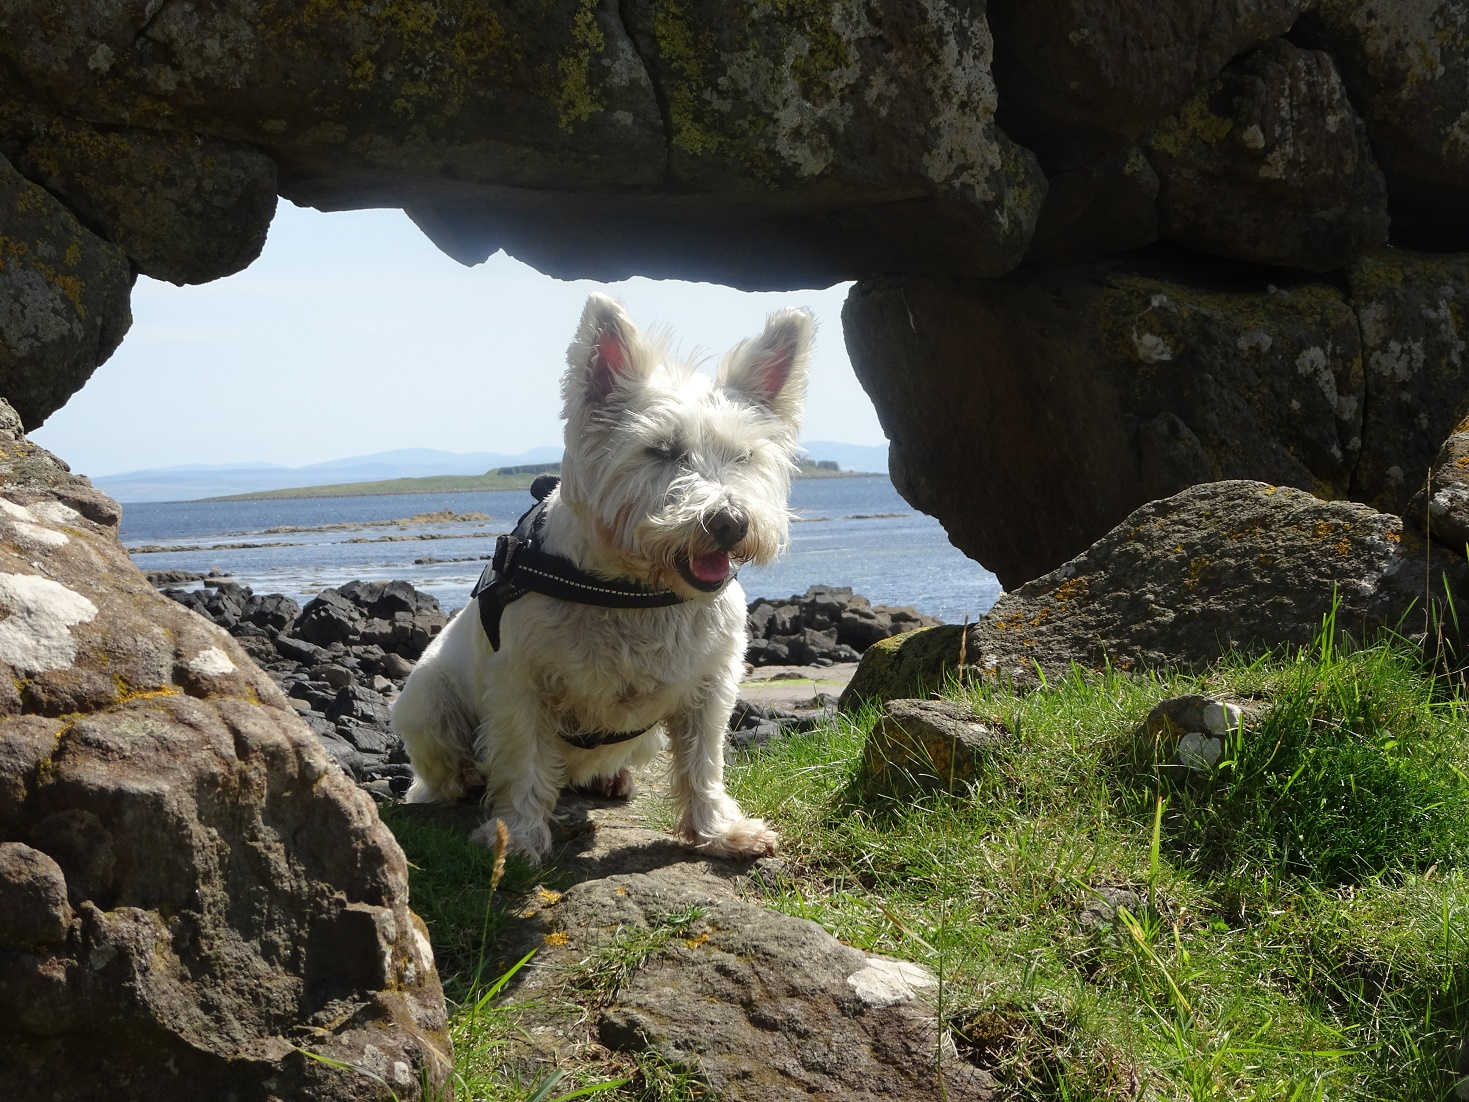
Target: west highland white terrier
611 619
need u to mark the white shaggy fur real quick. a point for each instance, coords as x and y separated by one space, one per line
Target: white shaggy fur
658 460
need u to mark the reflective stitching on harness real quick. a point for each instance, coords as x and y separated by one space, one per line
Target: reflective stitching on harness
652 594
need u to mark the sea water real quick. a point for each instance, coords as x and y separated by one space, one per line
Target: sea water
854 532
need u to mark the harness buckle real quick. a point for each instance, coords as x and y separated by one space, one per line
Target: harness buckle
504 557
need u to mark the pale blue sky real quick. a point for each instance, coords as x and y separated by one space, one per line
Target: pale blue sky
352 334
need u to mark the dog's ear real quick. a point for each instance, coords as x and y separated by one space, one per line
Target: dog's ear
771 369
607 351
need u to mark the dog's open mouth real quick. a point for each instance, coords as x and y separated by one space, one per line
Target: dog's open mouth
708 571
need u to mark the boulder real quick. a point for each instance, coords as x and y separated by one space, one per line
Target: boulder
1441 508
1406 66
192 894
592 140
913 664
329 617
183 208
1183 580
756 1005
1413 310
824 625
1192 732
927 745
63 298
1107 206
1083 78
1031 415
1270 164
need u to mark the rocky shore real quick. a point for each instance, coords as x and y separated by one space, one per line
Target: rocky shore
342 659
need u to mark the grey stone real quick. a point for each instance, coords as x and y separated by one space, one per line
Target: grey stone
183 208
927 744
1151 384
1406 66
34 911
1441 507
759 1006
1271 164
63 299
594 140
1184 579
1083 78
1414 314
224 889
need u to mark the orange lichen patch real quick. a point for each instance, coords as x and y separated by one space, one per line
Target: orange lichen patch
558 937
1394 537
695 942
1010 623
1323 529
547 896
1462 462
1343 547
1073 589
1462 426
126 693
1264 561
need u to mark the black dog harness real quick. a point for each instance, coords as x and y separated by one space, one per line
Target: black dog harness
520 566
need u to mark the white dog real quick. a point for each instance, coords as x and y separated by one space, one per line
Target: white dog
669 481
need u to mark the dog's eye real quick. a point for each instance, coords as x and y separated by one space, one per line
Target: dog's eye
666 451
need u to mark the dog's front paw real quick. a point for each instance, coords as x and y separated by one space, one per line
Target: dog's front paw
530 839
745 839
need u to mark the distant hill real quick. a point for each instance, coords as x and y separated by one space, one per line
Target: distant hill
867 458
517 477
410 470
202 481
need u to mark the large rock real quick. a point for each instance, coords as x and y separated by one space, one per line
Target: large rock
758 144
1183 580
1406 65
1110 205
1271 164
63 299
192 895
1081 78
918 746
1031 415
1414 315
183 209
1441 507
759 1006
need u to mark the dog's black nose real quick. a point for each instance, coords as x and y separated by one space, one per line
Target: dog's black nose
728 527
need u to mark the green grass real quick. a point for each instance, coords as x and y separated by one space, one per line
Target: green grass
445 484
1300 918
1302 927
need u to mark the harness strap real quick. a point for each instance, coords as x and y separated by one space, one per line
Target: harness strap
519 566
590 740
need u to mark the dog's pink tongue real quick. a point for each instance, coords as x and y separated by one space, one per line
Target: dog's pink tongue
713 567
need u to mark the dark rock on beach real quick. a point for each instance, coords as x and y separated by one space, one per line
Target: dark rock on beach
825 625
343 658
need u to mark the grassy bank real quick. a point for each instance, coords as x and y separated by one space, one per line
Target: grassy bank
1292 925
450 484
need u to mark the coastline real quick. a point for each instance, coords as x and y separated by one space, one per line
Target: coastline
453 484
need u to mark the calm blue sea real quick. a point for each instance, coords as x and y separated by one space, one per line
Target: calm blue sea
853 531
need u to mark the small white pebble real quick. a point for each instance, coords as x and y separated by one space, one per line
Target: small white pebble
1221 719
1199 752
